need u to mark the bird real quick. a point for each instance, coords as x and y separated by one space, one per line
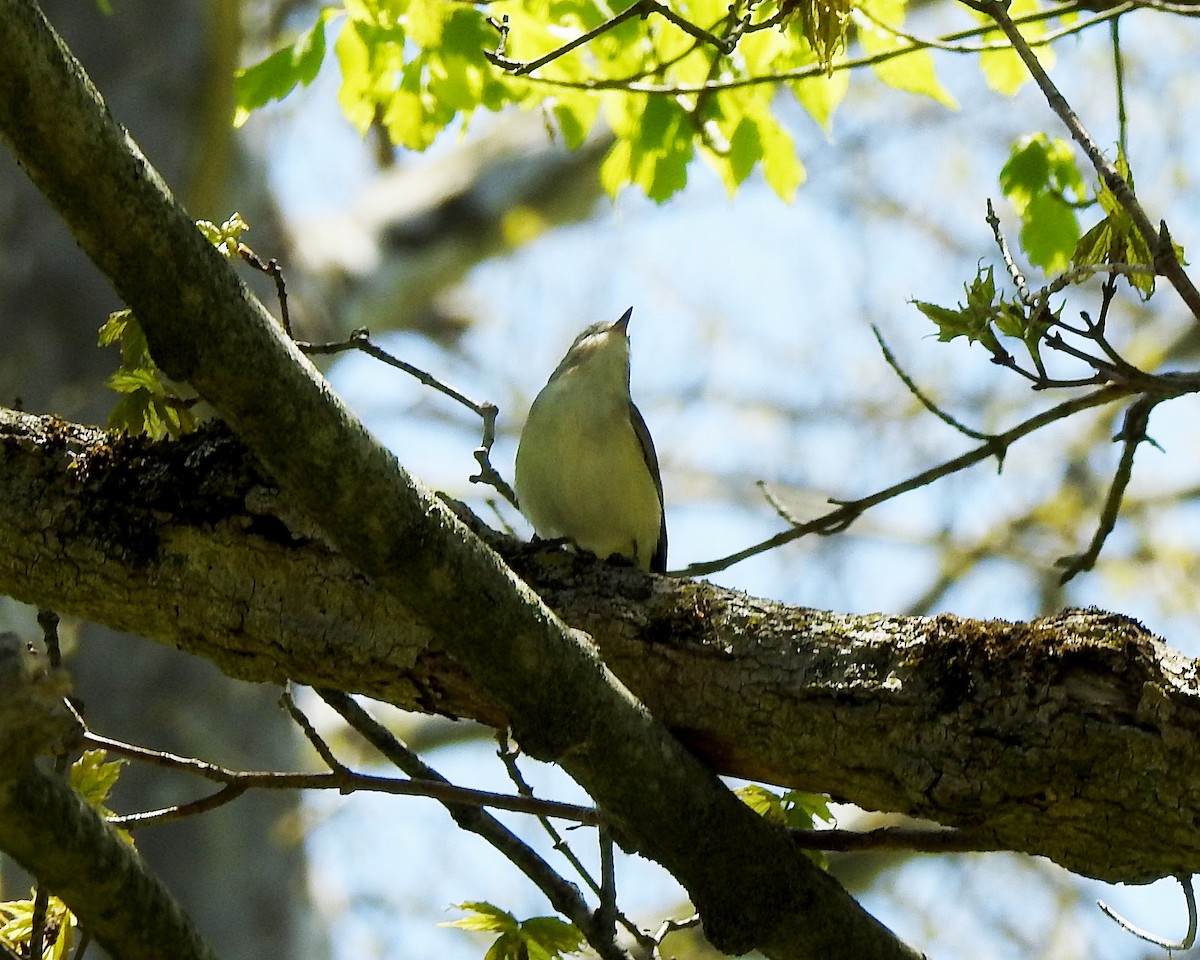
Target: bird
586 469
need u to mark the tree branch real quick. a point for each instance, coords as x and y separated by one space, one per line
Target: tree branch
752 887
1036 732
61 841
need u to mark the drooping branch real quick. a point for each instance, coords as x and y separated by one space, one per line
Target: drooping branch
1027 736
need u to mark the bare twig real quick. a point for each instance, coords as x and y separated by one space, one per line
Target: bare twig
1189 938
180 811
1018 278
273 270
342 780
487 411
1132 434
310 732
784 513
508 756
918 393
922 839
563 895
846 512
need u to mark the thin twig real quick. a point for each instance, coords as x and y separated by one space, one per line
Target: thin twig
345 781
519 69
310 732
273 270
783 512
846 512
640 8
180 811
1189 894
1119 78
564 896
918 393
607 913
1158 240
920 839
487 411
508 756
1132 434
1018 278
850 63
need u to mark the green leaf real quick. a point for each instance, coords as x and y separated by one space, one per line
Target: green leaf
1050 232
653 148
93 776
805 809
1116 240
781 166
114 327
973 319
128 380
820 96
912 72
276 76
1026 173
17 930
762 801
483 917
538 938
554 936
575 117
1036 178
745 150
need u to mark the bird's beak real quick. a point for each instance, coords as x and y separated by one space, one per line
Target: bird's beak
623 323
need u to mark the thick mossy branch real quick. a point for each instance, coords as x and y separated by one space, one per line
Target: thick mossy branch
1069 737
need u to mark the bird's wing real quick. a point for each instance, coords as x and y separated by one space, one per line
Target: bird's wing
658 563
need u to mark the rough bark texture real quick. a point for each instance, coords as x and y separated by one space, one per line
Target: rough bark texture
1069 737
753 888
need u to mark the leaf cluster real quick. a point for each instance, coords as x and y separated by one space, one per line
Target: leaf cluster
538 938
696 80
987 314
1046 188
148 406
795 809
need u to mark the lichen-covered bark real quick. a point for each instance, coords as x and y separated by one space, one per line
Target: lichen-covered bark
1069 737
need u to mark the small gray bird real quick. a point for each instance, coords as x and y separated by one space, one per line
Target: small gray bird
586 466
